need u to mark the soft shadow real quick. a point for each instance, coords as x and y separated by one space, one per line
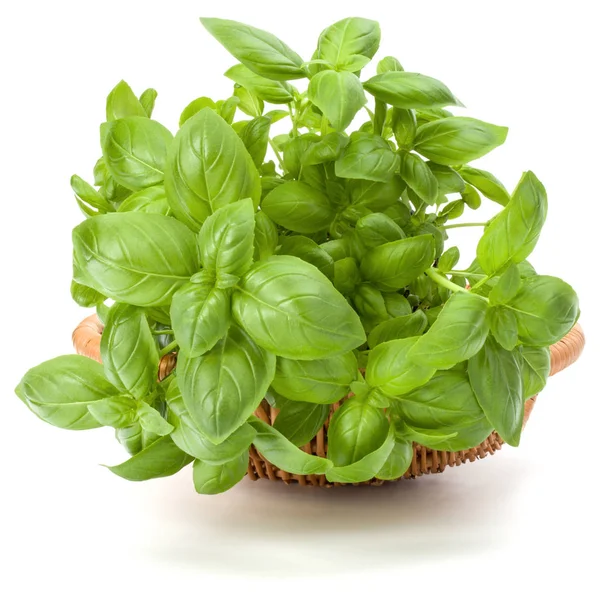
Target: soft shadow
267 527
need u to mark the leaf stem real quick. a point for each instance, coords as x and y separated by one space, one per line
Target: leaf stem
456 225
293 118
170 348
279 159
162 332
481 282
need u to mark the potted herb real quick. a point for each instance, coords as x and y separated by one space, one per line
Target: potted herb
319 281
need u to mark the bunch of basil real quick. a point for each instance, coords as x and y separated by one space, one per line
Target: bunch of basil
320 278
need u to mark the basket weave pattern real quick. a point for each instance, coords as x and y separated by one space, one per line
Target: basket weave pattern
86 339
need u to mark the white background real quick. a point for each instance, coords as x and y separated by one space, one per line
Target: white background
524 521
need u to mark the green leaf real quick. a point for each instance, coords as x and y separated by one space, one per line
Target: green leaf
160 459
86 193
449 259
449 181
507 287
226 240
223 387
404 126
367 156
396 304
134 438
249 102
116 411
444 406
356 429
339 96
260 51
546 309
410 90
290 308
426 437
226 109
389 63
327 149
418 177
458 140
395 264
60 390
398 462
122 102
194 107
135 150
283 454
512 235
147 100
275 92
266 236
495 376
367 467
300 422
391 370
376 229
201 315
321 381
299 207
458 333
471 197
149 200
504 327
346 275
535 369
343 41
151 420
136 258
208 168
85 296
397 328
486 183
309 251
374 195
192 441
129 352
255 137
216 479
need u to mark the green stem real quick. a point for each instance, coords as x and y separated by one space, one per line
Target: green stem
279 159
481 282
443 281
456 225
170 348
162 332
324 126
464 274
293 118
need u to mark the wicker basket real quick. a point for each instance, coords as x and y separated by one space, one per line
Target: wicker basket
86 339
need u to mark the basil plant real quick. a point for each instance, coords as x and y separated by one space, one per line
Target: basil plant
319 276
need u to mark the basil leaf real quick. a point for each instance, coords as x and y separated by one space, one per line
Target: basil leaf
395 264
458 333
283 454
151 420
376 229
339 95
194 107
149 200
134 438
226 240
136 258
512 235
504 327
342 42
449 259
367 467
326 150
418 177
122 102
192 441
200 314
389 63
486 183
216 479
458 140
471 197
135 151
208 168
265 237
223 387
260 51
546 309
535 369
85 296
495 376
290 308
375 195
60 390
322 381
507 287
275 92
356 429
397 328
299 422
129 352
255 137
160 459
147 100
298 207
427 437
398 462
410 90
404 126
391 370
309 251
249 103
449 181
368 157
116 411
396 304
86 193
445 406
346 275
